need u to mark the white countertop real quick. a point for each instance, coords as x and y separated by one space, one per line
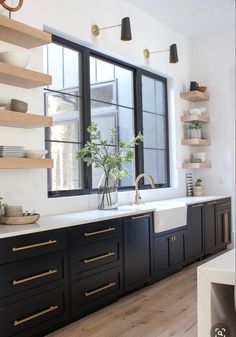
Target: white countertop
83 217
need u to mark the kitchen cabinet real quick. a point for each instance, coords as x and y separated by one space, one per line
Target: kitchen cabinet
210 228
169 253
138 251
223 223
194 233
96 259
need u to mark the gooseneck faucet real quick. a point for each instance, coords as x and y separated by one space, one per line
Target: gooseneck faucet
137 192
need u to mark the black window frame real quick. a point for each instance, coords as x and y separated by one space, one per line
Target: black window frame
138 72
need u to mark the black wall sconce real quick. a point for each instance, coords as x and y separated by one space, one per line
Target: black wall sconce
173 53
125 29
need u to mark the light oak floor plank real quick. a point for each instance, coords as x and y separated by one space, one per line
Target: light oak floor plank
165 309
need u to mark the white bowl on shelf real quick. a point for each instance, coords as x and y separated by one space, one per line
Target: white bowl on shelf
35 153
16 58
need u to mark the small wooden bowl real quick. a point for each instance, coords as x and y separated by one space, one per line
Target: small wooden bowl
21 220
202 89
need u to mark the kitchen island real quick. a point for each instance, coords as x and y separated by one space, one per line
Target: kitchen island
216 283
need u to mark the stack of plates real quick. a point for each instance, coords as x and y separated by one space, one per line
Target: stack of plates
12 151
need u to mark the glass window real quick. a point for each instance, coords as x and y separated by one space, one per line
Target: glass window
155 129
111 90
114 95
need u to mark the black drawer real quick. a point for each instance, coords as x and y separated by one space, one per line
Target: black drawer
31 273
95 288
34 315
86 257
94 232
30 245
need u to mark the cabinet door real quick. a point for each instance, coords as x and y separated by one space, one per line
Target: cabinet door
223 225
210 241
137 249
162 256
194 233
178 250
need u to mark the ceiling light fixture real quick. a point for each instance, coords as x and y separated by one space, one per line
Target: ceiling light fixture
173 53
125 29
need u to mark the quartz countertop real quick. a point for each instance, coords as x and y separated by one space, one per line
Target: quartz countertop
57 221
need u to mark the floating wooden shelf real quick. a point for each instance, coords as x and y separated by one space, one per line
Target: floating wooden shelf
194 96
25 163
22 35
196 142
195 118
206 164
23 78
16 119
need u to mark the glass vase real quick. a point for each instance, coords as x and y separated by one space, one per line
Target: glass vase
107 192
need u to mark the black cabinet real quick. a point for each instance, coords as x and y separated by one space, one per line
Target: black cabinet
210 228
169 253
223 223
194 233
137 251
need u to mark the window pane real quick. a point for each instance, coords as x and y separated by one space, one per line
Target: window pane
149 130
148 94
66 113
63 65
154 164
124 83
160 97
67 173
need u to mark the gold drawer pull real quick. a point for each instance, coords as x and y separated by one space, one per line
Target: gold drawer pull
140 216
198 205
225 204
212 203
32 278
226 227
93 292
38 314
47 243
109 229
99 257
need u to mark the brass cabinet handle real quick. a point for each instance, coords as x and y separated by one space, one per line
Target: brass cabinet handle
41 244
109 229
225 204
100 257
38 314
174 238
93 292
140 216
170 238
198 205
35 277
212 203
226 227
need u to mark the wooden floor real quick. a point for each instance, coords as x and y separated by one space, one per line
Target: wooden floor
165 309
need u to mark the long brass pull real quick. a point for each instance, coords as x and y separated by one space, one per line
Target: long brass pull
109 229
198 205
99 257
140 216
225 204
93 292
226 227
41 244
38 314
212 203
32 278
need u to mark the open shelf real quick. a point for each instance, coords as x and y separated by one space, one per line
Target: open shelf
195 118
196 142
16 119
194 96
24 163
206 164
22 35
23 78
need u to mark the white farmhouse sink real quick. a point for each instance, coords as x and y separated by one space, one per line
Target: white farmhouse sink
167 214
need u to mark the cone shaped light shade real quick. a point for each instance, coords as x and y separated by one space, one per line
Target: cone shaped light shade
173 54
125 29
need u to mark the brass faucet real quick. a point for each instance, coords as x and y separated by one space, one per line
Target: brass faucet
137 192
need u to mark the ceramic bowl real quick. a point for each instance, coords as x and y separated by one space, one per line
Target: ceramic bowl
17 105
15 58
35 153
195 111
5 103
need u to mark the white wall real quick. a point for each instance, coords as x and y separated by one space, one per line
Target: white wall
29 187
213 64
